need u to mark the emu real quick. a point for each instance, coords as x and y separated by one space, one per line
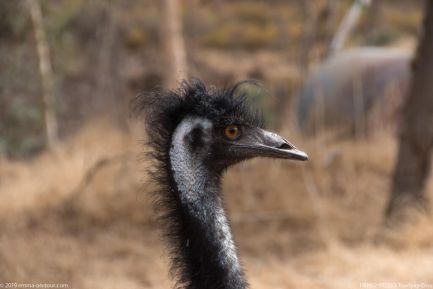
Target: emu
195 134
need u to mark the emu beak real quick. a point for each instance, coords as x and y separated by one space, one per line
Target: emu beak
269 144
274 145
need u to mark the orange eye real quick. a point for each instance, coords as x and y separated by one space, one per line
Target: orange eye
232 132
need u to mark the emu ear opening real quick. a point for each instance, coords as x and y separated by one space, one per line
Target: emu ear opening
198 136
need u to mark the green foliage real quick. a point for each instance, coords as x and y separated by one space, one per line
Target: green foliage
258 97
407 22
250 37
248 28
14 23
61 19
21 129
136 37
252 14
382 37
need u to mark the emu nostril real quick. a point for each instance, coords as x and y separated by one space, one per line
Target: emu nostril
285 146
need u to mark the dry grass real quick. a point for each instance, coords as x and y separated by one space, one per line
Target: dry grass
316 225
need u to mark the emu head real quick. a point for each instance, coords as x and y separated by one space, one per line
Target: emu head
218 127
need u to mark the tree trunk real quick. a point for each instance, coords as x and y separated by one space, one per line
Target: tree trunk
174 44
51 129
349 21
416 136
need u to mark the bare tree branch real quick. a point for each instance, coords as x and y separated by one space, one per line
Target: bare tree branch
174 43
347 25
51 127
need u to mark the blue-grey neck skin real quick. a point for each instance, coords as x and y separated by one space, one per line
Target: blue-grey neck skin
207 250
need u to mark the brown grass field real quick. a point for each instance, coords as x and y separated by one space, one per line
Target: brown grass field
82 215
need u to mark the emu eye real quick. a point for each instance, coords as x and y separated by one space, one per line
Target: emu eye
232 132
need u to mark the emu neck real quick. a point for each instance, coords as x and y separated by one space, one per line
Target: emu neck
207 252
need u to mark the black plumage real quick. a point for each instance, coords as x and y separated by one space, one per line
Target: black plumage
192 211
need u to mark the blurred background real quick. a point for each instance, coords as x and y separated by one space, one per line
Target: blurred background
338 79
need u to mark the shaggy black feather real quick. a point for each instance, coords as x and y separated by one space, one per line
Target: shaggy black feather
163 111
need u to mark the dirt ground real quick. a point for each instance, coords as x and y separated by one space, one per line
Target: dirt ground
82 215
